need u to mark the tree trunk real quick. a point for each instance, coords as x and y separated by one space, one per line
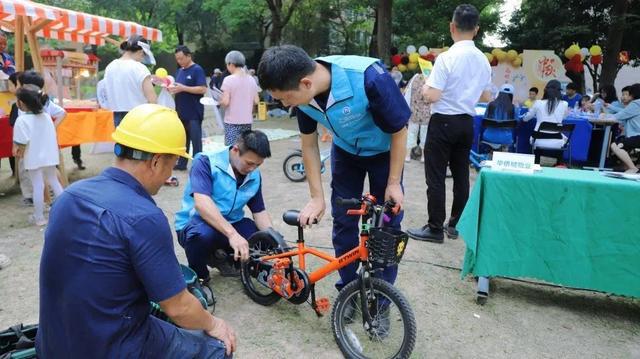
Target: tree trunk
180 36
373 43
279 19
614 42
276 33
384 30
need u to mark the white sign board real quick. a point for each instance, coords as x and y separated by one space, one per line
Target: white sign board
517 162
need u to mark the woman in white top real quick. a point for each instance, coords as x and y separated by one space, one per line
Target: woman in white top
127 82
34 138
550 109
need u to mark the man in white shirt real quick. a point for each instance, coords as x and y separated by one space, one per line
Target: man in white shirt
460 78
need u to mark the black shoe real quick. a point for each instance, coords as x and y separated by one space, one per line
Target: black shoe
382 325
207 290
350 310
79 164
452 232
225 264
426 234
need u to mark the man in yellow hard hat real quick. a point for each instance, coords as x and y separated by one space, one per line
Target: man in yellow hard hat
109 251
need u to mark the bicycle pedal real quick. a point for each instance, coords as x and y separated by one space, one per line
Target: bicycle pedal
322 306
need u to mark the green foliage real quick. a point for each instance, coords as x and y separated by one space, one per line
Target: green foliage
555 25
427 23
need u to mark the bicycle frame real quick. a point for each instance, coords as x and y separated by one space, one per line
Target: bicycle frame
359 253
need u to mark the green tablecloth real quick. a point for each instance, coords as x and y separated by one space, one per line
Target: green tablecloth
569 227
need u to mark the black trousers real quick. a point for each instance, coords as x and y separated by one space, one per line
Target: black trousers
75 153
449 140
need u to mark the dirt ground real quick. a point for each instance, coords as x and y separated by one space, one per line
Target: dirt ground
520 320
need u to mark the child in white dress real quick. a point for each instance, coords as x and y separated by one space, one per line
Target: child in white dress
34 139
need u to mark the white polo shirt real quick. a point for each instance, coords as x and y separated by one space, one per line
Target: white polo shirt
462 73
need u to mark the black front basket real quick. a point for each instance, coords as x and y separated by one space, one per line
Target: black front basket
386 246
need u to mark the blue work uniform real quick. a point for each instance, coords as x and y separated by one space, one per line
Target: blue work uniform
362 109
108 251
212 175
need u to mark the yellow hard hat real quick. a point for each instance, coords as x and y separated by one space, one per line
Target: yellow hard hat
153 129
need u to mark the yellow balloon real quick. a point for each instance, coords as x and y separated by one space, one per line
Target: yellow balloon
495 52
595 50
402 67
512 54
489 56
572 51
161 72
517 62
413 58
501 56
412 65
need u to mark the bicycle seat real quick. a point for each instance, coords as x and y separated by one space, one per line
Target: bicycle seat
290 217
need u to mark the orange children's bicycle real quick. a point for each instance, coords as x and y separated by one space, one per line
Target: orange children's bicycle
371 318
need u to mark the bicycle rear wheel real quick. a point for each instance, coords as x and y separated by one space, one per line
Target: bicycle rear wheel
393 333
250 274
294 168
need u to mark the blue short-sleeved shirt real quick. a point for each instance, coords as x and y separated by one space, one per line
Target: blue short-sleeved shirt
573 101
386 103
202 182
108 251
188 105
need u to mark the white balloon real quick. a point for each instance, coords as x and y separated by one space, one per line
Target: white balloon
411 49
423 50
584 51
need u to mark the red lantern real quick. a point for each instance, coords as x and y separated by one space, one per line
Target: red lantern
596 60
575 64
623 57
395 59
430 57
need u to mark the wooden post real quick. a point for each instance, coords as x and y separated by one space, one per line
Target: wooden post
19 43
34 46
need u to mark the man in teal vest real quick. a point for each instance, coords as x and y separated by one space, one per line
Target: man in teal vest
357 100
221 184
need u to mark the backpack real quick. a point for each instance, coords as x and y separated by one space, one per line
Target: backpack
18 342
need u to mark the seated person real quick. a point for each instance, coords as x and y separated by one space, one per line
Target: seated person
572 97
629 117
610 99
625 98
550 109
585 104
500 109
533 94
211 221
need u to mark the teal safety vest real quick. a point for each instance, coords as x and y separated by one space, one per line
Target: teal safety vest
347 115
229 198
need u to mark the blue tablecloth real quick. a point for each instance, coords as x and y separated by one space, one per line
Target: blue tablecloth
580 139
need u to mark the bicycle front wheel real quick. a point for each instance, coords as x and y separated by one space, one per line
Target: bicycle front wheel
392 333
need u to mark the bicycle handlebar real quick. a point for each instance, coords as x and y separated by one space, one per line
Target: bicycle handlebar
365 204
351 202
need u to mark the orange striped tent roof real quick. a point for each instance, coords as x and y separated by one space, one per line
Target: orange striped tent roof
69 25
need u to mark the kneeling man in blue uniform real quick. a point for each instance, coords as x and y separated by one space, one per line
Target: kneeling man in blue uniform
211 221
